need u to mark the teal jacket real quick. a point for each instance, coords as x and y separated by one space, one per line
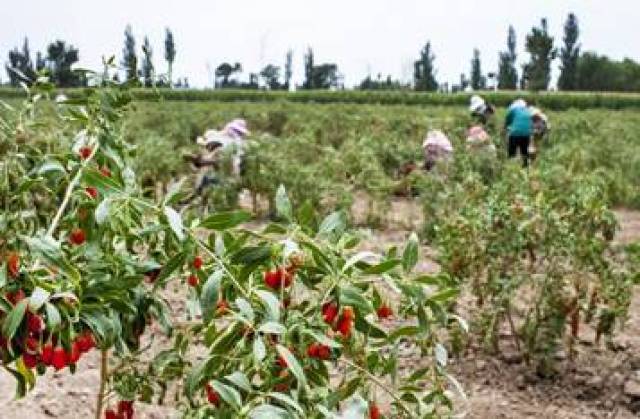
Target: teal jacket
519 123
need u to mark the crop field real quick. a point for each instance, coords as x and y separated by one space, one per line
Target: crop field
333 278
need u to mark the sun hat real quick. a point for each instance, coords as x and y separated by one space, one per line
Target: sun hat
477 104
237 127
437 139
518 103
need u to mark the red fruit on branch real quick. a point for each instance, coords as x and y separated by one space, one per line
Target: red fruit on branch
105 171
85 152
222 307
34 323
286 277
16 296
31 344
312 350
110 414
86 341
344 326
384 311
91 191
212 396
73 355
272 279
329 312
281 362
193 281
125 409
47 354
197 263
281 387
59 358
29 360
318 351
374 411
13 265
77 236
348 313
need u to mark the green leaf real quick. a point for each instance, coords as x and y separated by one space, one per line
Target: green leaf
228 394
245 309
441 354
38 297
259 350
272 328
175 222
240 380
334 222
293 365
410 254
14 319
170 267
102 211
51 166
21 383
402 332
359 257
105 184
267 411
225 220
350 296
286 399
444 295
251 254
209 296
271 304
49 249
323 339
29 377
194 378
283 205
382 267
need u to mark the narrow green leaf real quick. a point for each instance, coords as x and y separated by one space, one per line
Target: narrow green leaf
38 297
334 222
53 316
240 380
102 211
228 394
382 267
410 254
259 350
170 267
267 411
175 222
286 399
245 309
209 296
105 184
293 365
14 318
272 328
271 304
225 220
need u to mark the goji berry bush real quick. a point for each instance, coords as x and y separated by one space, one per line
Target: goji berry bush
288 321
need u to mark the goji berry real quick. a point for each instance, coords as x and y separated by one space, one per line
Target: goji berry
85 152
29 360
384 311
77 236
193 280
329 312
59 358
197 263
13 264
91 191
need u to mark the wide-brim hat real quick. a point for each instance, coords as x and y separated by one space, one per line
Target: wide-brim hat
237 126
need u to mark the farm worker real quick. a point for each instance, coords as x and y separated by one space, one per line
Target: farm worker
519 126
229 139
480 109
478 139
436 147
540 128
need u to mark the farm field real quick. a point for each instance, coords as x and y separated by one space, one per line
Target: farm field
543 262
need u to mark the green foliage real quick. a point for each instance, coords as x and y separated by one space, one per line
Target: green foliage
539 44
424 74
569 55
478 81
507 73
130 57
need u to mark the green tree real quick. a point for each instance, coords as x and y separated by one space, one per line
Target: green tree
288 69
569 54
478 80
129 58
169 54
146 66
325 76
271 76
60 58
599 73
507 73
424 72
224 72
20 67
308 70
41 63
539 45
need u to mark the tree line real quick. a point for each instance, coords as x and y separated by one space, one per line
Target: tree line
587 71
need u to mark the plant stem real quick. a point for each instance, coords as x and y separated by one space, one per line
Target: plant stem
68 192
222 265
379 383
104 375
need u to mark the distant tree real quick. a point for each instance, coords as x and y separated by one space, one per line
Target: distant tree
539 45
569 54
599 73
60 58
20 67
41 63
325 76
146 66
424 71
507 73
129 58
308 70
380 84
169 53
478 81
464 82
224 72
271 76
288 69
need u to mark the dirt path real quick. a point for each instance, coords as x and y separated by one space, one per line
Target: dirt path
593 388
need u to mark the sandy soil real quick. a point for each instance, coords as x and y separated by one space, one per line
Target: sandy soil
592 387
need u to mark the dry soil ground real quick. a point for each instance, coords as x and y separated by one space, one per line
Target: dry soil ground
600 384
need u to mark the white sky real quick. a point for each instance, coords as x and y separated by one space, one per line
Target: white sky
361 36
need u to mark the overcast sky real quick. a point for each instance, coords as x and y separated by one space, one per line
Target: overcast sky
361 36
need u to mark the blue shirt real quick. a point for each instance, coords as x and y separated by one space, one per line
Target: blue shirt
519 122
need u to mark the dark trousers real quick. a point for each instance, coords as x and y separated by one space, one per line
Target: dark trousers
519 143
